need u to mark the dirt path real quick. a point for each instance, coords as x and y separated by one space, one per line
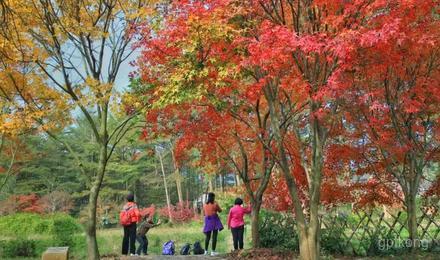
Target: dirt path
164 257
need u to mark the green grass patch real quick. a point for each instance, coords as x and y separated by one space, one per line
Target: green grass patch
34 225
27 235
110 240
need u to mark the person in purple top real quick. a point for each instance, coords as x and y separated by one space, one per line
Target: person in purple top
212 222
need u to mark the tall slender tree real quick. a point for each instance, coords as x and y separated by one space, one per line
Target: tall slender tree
398 97
73 52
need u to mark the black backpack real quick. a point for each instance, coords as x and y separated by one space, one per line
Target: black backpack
185 249
197 249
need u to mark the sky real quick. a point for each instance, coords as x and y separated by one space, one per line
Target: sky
122 80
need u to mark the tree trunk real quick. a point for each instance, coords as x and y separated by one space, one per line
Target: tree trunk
308 230
179 186
9 172
412 187
210 185
237 180
255 224
92 244
222 185
313 226
308 244
177 175
166 187
411 210
220 175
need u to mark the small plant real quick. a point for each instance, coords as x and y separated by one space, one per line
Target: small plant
384 242
278 231
332 241
63 230
18 248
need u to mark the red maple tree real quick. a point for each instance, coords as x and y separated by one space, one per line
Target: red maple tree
305 63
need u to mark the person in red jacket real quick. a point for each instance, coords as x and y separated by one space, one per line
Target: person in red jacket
236 222
129 240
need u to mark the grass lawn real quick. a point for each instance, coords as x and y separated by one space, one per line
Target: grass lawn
110 239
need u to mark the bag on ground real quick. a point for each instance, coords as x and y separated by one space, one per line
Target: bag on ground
186 249
168 248
197 249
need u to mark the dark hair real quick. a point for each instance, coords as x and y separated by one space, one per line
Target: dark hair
211 198
130 197
238 201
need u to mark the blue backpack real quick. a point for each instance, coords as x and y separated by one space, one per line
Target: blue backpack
168 248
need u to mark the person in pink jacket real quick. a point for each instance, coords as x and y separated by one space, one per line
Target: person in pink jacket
236 222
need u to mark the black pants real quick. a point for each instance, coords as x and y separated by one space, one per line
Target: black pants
237 236
214 239
143 244
129 239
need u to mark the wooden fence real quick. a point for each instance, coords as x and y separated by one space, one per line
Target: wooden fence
370 232
363 232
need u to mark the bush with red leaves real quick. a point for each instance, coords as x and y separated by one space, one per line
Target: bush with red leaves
180 213
149 212
21 203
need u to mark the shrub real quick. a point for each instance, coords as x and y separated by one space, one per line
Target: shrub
18 247
332 241
278 231
63 230
149 211
25 224
180 213
20 203
375 247
226 200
